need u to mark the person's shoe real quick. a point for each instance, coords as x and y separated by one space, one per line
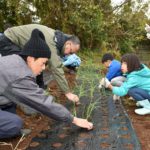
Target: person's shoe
138 104
142 111
25 132
144 103
115 97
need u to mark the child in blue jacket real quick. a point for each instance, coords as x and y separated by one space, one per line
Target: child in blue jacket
114 74
137 84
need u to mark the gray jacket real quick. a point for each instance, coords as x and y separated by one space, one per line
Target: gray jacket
18 85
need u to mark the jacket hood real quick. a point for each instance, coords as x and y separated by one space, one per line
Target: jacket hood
144 72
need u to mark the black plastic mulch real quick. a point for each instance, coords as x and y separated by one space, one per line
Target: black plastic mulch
112 130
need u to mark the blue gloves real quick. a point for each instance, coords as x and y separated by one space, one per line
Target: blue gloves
71 60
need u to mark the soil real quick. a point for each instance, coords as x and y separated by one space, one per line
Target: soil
141 124
40 122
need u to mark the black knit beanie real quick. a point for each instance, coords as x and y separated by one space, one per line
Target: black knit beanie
36 46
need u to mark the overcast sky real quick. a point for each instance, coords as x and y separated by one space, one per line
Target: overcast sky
117 2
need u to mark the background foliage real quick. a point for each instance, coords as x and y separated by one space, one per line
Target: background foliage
99 25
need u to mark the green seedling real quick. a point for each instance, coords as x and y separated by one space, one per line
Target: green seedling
88 110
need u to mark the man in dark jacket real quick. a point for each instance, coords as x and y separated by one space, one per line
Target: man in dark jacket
18 86
60 44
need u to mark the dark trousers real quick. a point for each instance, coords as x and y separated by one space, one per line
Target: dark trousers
7 48
139 94
10 123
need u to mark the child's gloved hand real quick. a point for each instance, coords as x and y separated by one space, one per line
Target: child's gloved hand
147 28
104 83
107 83
100 86
101 83
115 97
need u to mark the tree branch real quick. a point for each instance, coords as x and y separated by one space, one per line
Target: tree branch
118 6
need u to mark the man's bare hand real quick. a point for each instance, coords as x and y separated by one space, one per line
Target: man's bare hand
73 97
83 123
